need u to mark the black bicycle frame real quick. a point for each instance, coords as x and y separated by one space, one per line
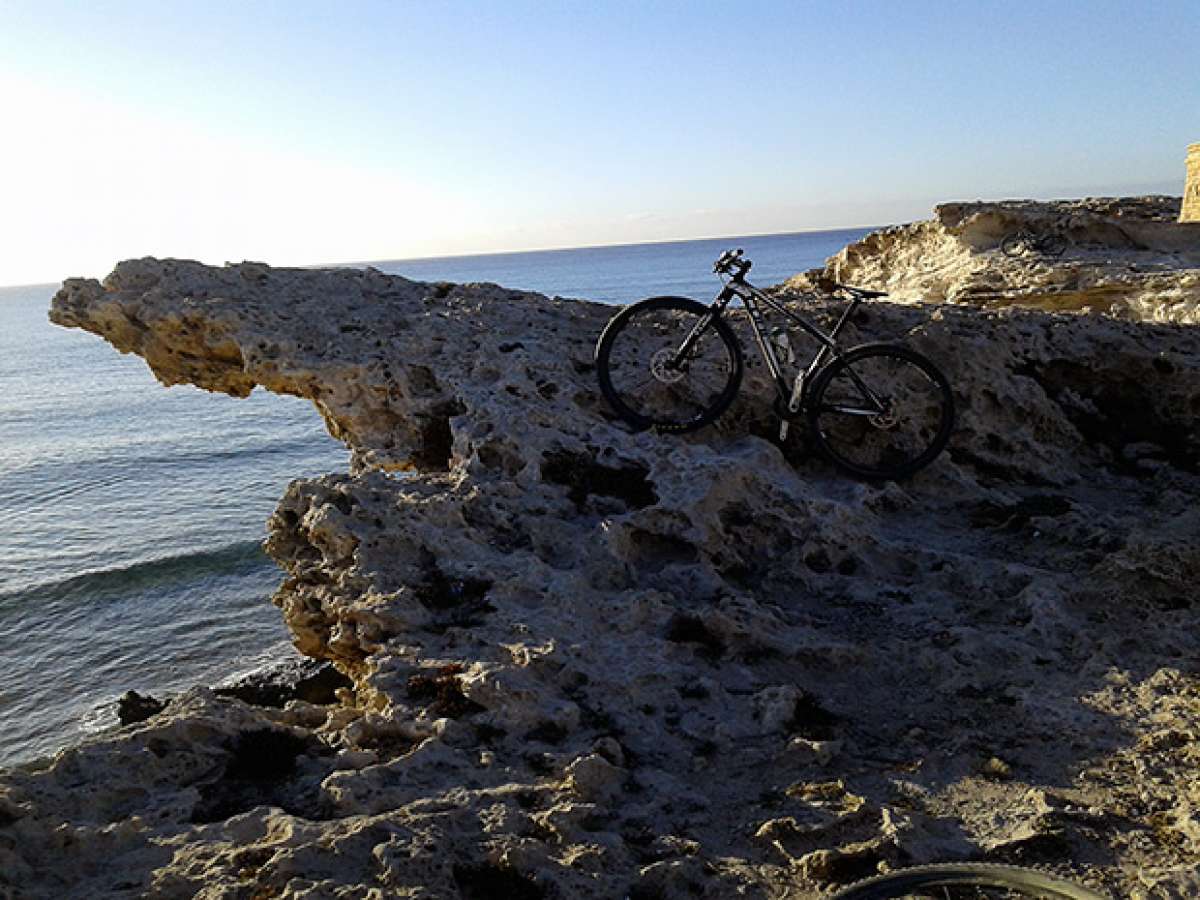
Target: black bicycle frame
751 297
793 397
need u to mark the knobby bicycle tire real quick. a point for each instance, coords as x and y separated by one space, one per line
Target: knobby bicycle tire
644 389
1014 880
887 445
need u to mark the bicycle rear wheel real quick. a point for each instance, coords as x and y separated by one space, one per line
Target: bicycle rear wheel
668 363
881 411
1053 245
966 881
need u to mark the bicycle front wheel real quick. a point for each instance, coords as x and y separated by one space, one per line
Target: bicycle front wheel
1013 245
668 363
966 881
881 411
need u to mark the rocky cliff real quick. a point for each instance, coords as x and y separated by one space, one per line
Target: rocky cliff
1125 256
588 663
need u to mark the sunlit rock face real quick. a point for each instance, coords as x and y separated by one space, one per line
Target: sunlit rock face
1189 210
1127 256
592 663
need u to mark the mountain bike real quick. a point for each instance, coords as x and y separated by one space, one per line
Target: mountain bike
878 411
966 881
1025 241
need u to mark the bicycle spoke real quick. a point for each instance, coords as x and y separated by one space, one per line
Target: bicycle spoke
897 434
643 384
651 381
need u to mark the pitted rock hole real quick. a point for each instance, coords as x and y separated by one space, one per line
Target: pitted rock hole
547 733
442 691
688 629
456 602
257 773
811 720
487 881
752 541
1117 410
500 455
584 476
422 382
434 449
654 552
1015 516
441 592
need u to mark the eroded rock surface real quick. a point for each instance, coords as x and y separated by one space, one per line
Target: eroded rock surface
1126 256
591 663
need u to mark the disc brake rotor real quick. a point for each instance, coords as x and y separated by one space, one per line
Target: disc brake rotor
885 420
660 366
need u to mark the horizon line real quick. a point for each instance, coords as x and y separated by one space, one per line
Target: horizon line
683 240
1064 197
564 249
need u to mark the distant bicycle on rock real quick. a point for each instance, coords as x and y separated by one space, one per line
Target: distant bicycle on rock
878 411
1024 241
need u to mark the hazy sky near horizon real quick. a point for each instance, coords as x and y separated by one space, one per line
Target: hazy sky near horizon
300 132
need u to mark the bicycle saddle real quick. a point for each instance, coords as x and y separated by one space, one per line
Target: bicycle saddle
828 284
863 292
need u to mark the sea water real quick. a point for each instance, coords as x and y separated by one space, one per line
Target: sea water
131 515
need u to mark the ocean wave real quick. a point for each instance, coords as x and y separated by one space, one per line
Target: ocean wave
118 581
133 456
54 480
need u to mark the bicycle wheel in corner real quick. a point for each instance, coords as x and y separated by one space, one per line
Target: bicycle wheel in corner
881 411
1014 245
668 363
966 881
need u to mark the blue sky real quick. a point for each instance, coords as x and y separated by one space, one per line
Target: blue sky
318 132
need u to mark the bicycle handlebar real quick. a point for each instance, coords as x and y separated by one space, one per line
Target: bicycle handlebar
732 259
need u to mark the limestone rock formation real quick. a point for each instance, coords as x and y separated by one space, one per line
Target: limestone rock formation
1189 210
1126 256
589 663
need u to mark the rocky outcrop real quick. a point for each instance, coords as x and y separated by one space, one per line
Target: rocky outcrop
593 663
1126 256
1190 209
